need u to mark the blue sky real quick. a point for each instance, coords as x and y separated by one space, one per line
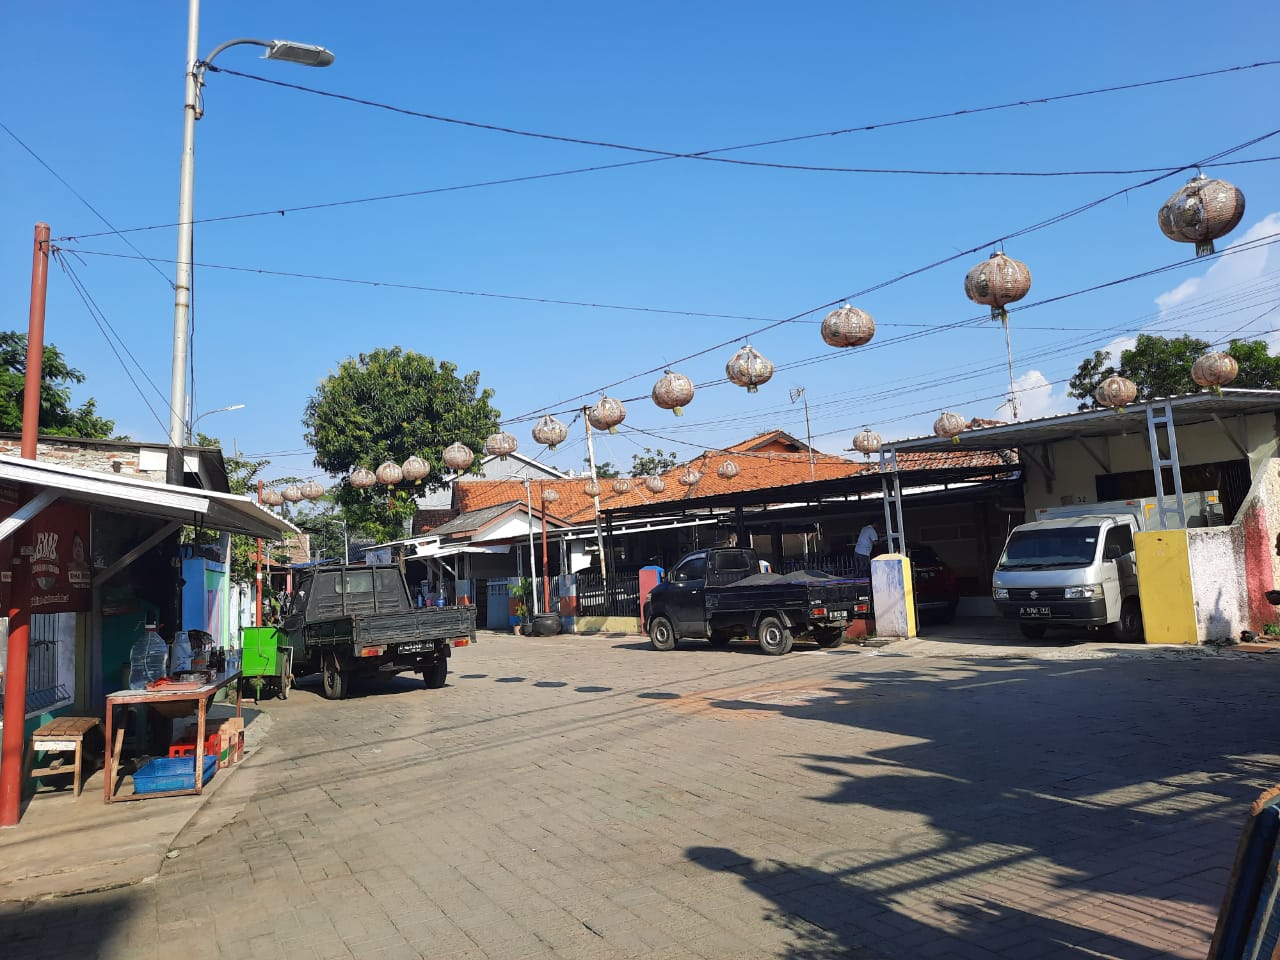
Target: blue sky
96 91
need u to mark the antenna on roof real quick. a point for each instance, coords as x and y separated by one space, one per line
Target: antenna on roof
797 393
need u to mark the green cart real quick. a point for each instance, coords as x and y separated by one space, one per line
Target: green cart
266 663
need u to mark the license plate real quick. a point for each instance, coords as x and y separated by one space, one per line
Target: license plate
411 647
1030 612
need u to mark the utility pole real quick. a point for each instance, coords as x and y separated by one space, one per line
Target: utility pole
591 459
797 393
533 567
258 573
15 700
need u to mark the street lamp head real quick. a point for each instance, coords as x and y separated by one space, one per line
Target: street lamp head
306 54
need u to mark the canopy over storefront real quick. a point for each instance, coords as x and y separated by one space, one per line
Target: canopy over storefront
225 512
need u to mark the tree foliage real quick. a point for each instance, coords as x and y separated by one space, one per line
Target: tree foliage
652 462
391 404
57 416
1161 367
604 469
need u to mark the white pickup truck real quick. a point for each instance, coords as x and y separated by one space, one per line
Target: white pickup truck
1074 566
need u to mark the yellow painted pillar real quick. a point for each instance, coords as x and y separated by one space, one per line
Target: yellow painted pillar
891 593
1164 585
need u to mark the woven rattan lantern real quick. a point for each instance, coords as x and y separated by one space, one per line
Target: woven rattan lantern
621 485
458 457
848 327
270 498
550 431
362 478
867 442
949 425
550 496
1115 392
727 470
1201 212
997 281
673 391
414 469
655 484
747 368
389 473
607 414
500 444
311 490
690 477
1215 370
591 488
292 493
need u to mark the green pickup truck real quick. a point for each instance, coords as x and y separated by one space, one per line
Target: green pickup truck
346 620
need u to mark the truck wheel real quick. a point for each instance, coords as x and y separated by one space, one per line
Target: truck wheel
1033 631
774 638
434 675
1128 629
336 680
662 636
829 638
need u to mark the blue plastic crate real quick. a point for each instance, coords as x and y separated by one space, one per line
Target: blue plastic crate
172 773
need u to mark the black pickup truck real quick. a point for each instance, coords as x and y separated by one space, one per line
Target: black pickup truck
357 620
719 594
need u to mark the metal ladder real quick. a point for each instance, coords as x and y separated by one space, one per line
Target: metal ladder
1161 415
891 487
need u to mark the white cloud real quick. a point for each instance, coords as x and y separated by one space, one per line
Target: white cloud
1037 397
1227 277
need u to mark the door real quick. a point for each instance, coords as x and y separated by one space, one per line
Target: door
1119 579
686 600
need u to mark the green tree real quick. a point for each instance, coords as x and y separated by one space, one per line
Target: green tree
1161 367
391 404
652 462
604 469
57 416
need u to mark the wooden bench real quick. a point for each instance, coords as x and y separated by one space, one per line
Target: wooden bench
64 733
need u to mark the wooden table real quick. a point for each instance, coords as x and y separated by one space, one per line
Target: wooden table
62 733
201 696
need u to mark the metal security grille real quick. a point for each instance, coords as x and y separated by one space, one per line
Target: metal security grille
43 688
622 600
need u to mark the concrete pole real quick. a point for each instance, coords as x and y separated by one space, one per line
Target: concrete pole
182 279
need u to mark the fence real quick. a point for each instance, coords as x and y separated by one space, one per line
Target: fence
621 600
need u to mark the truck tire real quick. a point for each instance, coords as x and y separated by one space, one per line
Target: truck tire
662 635
434 676
337 682
828 637
1033 631
773 636
1128 629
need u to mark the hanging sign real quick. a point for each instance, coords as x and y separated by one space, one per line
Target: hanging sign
51 554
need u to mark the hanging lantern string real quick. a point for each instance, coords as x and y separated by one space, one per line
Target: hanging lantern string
1024 231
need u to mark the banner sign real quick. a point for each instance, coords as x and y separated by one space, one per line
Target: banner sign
51 551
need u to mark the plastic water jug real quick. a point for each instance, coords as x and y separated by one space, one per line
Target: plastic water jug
147 658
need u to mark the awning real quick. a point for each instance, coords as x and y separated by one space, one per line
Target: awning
1187 409
226 512
431 551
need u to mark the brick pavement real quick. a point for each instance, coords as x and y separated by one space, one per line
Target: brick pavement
590 798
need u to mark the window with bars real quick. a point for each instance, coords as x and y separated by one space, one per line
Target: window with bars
50 662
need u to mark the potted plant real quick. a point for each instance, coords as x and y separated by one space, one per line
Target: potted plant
521 591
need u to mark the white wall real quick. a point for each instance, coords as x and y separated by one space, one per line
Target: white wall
1216 557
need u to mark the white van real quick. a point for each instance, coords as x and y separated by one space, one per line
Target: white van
1075 566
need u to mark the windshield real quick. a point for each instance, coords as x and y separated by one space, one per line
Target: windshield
1052 547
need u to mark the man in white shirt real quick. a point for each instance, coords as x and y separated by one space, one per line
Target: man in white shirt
862 551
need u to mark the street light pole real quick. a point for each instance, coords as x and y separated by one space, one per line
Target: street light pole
191 427
305 54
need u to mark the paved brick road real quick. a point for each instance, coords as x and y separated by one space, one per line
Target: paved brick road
591 798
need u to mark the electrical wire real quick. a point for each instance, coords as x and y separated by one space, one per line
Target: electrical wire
103 325
712 155
92 209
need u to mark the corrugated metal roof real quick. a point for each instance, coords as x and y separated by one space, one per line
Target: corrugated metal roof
1187 409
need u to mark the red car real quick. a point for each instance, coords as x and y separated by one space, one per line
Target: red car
932 582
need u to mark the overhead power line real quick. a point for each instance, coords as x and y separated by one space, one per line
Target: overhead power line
713 155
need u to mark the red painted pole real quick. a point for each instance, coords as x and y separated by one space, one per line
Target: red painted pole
15 694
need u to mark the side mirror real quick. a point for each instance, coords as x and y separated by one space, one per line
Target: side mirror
1111 552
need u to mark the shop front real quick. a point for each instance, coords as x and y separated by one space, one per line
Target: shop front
87 561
